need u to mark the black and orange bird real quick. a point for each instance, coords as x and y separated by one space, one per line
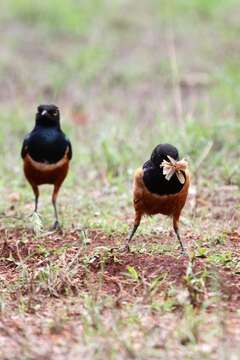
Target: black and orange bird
161 187
46 153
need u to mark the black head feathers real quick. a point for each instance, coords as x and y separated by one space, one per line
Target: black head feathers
161 151
153 176
48 115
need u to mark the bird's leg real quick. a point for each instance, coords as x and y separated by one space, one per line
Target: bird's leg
176 230
36 193
56 225
137 220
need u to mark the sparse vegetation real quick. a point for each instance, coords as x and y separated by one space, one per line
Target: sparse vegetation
126 75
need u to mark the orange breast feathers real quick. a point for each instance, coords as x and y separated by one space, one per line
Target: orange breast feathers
41 173
148 203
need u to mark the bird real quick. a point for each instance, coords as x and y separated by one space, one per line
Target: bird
160 187
46 153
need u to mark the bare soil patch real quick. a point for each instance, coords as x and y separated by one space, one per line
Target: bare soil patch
98 264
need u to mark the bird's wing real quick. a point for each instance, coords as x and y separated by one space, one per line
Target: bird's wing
24 150
69 145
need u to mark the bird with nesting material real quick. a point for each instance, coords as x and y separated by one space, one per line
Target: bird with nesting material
160 187
46 153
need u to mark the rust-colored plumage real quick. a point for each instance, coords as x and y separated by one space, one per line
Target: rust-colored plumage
38 174
147 202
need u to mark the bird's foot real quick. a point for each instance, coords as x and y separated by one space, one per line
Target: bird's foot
35 213
56 226
184 252
126 248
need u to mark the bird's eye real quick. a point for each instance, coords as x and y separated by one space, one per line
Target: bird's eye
55 113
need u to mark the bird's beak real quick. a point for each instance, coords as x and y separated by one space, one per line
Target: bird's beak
44 112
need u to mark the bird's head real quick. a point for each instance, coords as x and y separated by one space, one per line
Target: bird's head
48 115
166 157
161 153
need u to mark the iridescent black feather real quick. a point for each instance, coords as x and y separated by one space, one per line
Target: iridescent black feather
47 143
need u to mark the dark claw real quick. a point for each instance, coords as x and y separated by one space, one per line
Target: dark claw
126 248
184 253
35 213
56 226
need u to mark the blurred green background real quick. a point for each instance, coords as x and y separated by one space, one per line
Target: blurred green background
126 75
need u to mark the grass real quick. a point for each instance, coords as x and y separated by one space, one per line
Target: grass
126 75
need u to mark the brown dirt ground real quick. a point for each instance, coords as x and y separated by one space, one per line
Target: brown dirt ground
102 261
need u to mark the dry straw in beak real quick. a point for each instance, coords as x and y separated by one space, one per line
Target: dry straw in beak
172 167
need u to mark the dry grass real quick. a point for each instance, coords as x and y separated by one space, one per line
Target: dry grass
130 75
